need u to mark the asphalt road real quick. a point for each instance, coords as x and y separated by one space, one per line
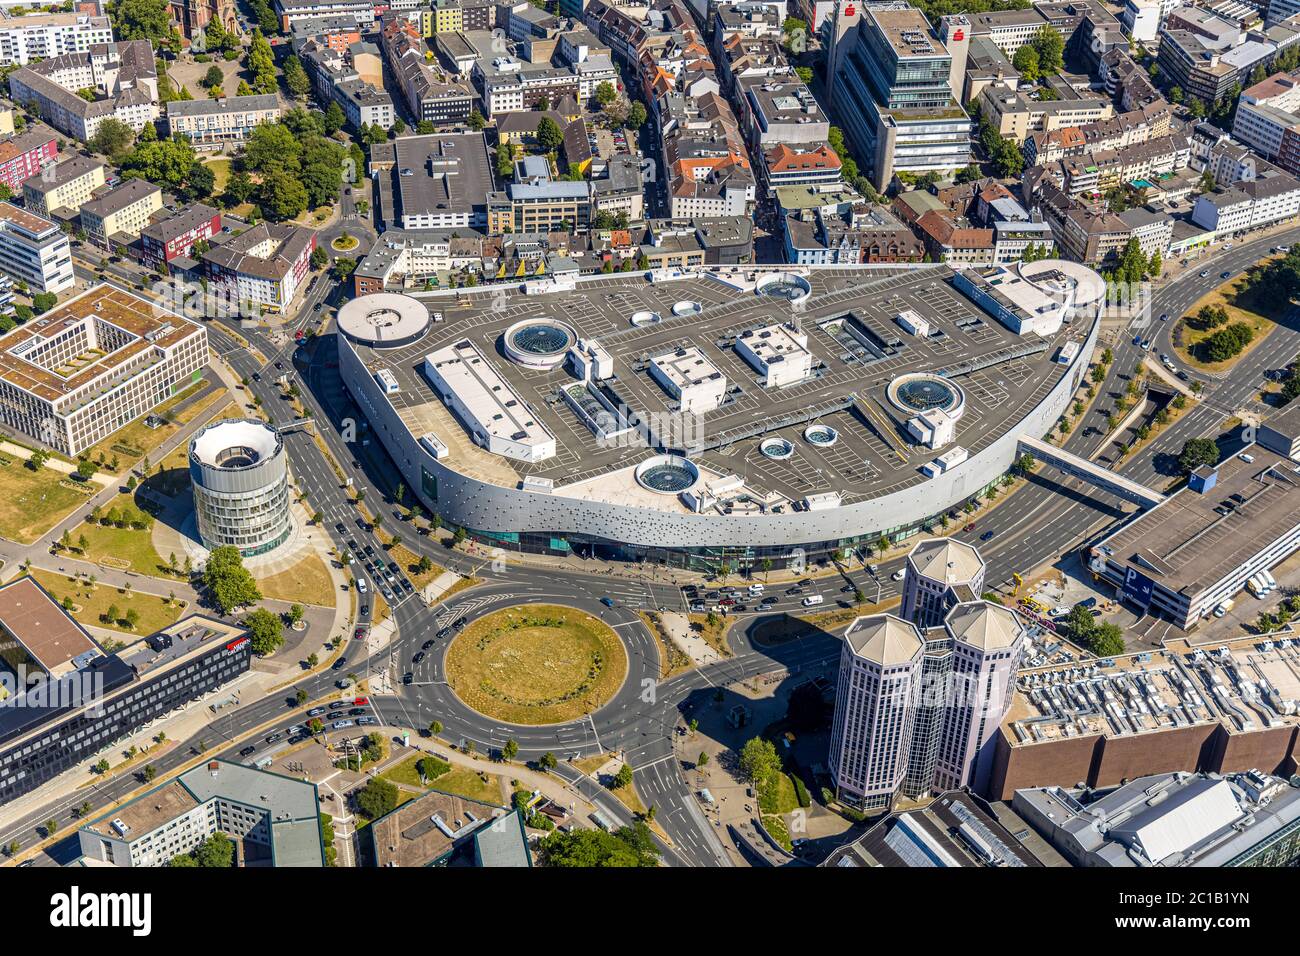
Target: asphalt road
1044 521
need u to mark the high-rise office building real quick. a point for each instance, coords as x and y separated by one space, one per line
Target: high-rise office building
880 680
916 710
941 573
890 81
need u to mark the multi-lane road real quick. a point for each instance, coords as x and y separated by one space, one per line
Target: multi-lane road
1042 522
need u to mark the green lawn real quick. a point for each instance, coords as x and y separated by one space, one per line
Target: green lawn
135 440
462 781
221 173
123 548
32 502
155 611
779 796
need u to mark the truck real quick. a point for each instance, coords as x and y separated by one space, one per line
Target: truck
1224 608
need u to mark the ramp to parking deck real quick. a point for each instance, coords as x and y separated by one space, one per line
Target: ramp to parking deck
1088 471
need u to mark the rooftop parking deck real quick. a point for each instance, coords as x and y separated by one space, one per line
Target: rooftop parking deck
999 375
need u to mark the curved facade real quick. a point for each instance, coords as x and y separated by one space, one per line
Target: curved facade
241 486
529 519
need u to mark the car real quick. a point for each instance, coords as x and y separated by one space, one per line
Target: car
365 609
318 306
257 376
740 609
1137 339
1164 316
697 608
1182 373
408 678
987 535
1146 345
407 586
344 724
334 715
272 738
458 623
370 551
248 751
316 712
419 656
339 664
970 527
607 601
443 632
366 721
361 523
426 645
359 633
342 530
1205 273
1225 275
356 711
794 590
392 566
898 575
352 543
279 366
727 602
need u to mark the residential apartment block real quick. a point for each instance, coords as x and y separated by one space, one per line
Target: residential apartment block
42 36
168 239
23 155
122 74
214 124
62 188
117 216
266 264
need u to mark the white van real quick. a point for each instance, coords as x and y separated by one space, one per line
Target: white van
756 589
1256 587
361 584
1224 608
1269 579
812 600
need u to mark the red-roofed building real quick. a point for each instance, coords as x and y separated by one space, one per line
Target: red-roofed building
810 165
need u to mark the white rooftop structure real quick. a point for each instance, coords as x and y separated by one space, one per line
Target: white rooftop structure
689 376
496 416
778 352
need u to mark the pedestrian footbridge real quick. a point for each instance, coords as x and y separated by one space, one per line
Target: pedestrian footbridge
1089 471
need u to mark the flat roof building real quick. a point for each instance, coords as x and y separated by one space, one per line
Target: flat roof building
45 634
78 373
212 124
439 181
1197 548
55 726
688 376
441 829
34 250
1172 820
777 352
274 820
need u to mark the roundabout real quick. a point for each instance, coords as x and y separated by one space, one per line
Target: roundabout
543 664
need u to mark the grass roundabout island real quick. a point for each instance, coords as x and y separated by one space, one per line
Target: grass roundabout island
540 664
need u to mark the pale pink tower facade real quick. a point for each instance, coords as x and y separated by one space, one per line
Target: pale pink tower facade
987 640
941 573
875 704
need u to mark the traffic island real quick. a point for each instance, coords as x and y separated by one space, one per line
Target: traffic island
545 664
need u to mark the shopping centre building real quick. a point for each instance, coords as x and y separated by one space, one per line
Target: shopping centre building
714 416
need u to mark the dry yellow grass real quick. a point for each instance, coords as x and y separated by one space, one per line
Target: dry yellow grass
307 582
543 664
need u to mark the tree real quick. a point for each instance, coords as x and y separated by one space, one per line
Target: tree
376 798
213 77
605 94
1026 63
435 728
510 750
476 122
622 778
547 761
229 583
216 852
295 77
549 135
265 630
1050 47
636 113
759 760
333 118
112 138
282 196
143 20
1197 452
702 759
165 163
626 847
